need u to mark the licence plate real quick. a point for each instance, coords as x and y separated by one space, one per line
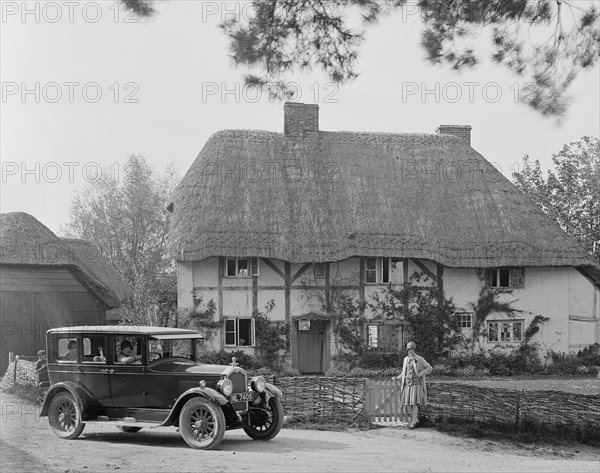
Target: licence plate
240 397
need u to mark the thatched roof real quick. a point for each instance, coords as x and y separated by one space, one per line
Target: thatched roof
26 241
89 255
327 196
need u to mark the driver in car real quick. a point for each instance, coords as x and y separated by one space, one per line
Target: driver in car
125 356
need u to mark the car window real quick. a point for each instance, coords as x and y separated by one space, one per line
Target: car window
128 350
94 349
66 350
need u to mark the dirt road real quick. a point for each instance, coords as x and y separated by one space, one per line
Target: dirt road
27 444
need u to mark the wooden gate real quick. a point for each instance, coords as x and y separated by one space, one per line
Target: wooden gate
382 401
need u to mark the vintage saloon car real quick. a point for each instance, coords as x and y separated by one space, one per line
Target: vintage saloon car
138 377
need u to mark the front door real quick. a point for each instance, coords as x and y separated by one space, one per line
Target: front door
312 346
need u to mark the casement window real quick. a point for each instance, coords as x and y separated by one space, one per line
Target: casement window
465 321
505 277
383 270
505 331
387 337
241 267
239 332
319 270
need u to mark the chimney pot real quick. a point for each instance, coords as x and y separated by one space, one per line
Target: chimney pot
460 131
300 119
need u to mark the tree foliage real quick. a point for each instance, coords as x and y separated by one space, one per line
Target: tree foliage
124 215
271 338
434 325
570 194
546 42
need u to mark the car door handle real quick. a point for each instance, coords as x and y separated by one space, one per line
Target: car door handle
110 371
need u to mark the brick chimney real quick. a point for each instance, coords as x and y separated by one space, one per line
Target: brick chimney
300 119
460 131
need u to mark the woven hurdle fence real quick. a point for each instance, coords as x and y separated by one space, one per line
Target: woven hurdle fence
349 398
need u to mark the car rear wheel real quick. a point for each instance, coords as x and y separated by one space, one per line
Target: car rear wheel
265 422
128 429
64 416
202 423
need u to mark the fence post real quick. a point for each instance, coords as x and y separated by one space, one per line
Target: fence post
518 409
15 373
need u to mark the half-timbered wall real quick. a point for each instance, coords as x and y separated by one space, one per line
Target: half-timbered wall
562 294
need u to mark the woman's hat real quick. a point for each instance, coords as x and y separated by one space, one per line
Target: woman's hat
410 345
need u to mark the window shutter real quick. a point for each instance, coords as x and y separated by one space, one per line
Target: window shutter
517 277
254 266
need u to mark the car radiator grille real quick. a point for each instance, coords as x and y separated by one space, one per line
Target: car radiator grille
239 386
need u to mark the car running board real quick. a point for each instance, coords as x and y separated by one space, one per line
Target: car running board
127 422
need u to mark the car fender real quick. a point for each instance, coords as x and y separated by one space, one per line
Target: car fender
78 394
272 391
206 393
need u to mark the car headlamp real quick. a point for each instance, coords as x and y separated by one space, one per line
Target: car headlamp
258 384
225 386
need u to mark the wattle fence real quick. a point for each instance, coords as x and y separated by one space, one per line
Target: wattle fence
351 398
378 401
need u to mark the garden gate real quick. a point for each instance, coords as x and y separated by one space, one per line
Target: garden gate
382 401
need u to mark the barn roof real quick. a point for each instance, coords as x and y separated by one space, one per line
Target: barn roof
312 196
26 241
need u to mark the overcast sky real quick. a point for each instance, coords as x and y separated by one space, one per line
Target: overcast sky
84 85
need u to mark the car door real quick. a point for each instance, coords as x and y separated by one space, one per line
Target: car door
128 380
93 370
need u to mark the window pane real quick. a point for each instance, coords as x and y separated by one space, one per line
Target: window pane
231 267
372 334
494 277
230 332
371 276
319 270
243 267
244 332
370 263
504 273
505 333
517 326
385 270
493 332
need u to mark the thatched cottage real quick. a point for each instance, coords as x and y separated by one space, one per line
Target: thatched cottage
263 216
47 281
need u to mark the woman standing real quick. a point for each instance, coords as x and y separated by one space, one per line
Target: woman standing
413 390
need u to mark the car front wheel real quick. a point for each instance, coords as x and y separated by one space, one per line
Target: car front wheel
202 423
265 422
64 416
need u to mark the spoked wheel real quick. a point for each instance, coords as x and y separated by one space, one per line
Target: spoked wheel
265 422
64 416
202 423
128 429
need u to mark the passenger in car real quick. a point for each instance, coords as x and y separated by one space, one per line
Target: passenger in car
100 358
125 356
72 354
